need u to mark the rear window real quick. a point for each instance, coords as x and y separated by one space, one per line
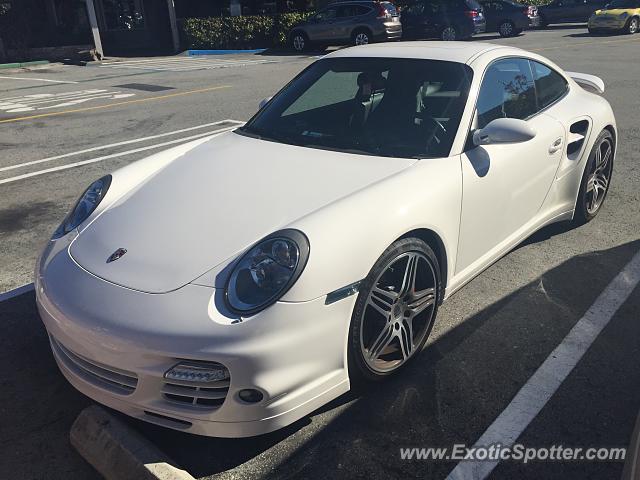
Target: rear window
473 5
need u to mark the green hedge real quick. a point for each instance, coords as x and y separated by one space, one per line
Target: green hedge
252 31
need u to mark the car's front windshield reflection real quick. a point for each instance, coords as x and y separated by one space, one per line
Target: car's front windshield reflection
376 106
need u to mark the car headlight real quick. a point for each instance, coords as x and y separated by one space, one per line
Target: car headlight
623 15
84 207
266 271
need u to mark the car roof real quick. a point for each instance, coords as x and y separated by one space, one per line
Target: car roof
460 52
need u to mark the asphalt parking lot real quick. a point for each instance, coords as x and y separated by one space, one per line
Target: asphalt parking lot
63 126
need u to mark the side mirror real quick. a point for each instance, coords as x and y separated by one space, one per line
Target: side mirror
263 102
504 130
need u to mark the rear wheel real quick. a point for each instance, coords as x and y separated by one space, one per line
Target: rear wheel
361 37
394 311
449 33
299 41
507 29
596 178
632 26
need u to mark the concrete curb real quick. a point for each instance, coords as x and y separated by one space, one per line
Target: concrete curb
4 66
117 451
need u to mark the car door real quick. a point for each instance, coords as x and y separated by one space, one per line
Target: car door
344 22
504 185
320 27
490 15
554 12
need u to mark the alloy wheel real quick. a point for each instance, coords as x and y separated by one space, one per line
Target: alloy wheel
399 311
506 29
633 26
598 180
361 39
298 43
448 34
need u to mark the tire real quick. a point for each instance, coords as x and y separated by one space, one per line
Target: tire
378 345
632 26
507 29
543 22
299 41
361 36
599 165
449 33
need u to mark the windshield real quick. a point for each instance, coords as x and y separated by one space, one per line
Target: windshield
376 106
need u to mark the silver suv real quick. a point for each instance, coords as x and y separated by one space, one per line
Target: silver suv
355 22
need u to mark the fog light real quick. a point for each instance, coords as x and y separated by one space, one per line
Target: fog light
197 372
250 395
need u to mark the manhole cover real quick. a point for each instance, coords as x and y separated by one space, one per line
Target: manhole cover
145 87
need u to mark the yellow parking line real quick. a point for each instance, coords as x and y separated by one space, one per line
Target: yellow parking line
126 102
584 43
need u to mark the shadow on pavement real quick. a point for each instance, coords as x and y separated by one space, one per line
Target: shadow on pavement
455 389
37 405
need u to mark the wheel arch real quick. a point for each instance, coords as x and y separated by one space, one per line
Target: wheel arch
432 239
361 28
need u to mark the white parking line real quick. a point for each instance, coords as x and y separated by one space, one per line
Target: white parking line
37 79
118 144
534 395
16 292
115 155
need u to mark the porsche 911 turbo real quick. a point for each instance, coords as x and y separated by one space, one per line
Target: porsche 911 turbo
232 285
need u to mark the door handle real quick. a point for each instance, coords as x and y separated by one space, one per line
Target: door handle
555 146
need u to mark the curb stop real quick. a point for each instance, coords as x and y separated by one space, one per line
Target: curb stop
117 451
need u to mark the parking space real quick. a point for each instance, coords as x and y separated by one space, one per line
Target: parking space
64 127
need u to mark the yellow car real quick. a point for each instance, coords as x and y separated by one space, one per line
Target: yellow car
619 16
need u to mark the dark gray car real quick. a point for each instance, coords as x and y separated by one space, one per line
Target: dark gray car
356 22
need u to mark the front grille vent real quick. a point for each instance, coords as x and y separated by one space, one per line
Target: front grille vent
108 378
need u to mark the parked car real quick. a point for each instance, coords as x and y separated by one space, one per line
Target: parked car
568 11
234 284
617 16
443 19
506 17
356 22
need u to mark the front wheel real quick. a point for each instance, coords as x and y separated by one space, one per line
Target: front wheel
507 29
395 310
632 26
449 34
596 178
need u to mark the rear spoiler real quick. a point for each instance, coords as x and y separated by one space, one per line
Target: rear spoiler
586 80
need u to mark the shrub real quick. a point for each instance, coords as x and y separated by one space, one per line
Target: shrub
251 31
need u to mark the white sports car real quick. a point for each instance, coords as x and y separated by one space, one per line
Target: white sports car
233 285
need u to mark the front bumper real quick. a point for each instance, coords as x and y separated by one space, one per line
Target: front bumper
294 353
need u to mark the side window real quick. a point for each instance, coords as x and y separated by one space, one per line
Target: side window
326 14
361 10
507 91
346 11
550 85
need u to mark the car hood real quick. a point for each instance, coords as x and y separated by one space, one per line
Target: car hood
213 202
